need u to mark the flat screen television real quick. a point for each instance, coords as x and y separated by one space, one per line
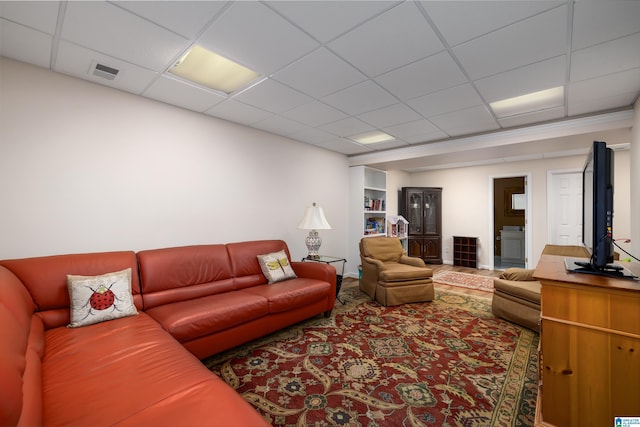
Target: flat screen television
597 205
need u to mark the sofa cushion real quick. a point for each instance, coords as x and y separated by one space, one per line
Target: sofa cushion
515 273
46 279
395 272
97 299
528 290
291 294
183 273
131 372
276 267
187 320
244 260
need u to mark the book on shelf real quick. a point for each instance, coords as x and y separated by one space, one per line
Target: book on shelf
374 204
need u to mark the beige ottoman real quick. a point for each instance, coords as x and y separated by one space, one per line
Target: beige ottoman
517 301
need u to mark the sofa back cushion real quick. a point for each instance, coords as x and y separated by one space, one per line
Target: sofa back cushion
182 273
21 351
46 279
244 260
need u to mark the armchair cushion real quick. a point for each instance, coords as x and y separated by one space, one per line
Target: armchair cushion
394 272
385 249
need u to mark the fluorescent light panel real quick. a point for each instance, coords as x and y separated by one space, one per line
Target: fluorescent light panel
209 69
529 103
371 137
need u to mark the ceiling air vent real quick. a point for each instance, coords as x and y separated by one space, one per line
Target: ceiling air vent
103 71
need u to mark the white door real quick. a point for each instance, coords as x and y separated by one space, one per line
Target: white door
564 201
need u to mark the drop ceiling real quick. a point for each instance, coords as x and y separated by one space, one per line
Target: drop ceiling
423 72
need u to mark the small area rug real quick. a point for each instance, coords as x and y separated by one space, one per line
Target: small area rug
448 362
464 280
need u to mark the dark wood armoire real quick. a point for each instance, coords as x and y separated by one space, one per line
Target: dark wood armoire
422 207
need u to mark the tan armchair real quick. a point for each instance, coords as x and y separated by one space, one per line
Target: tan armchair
391 277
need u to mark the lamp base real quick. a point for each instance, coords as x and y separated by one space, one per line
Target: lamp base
313 242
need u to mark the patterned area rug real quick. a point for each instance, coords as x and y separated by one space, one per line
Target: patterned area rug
464 280
444 363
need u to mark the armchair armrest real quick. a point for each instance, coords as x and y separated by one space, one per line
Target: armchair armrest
410 260
376 263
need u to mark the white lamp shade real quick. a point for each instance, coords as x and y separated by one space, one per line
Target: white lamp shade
314 219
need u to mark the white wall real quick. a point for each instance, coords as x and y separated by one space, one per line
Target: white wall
635 180
467 205
88 168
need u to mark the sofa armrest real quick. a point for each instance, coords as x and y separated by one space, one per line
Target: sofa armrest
410 260
314 270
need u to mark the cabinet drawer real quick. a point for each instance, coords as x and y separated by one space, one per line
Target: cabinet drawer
610 309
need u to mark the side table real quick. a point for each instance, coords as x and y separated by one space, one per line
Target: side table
329 260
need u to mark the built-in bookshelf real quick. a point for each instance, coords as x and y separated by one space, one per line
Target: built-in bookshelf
367 206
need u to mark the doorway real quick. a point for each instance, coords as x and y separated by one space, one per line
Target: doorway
510 213
564 207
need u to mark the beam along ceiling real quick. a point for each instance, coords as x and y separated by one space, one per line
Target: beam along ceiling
423 72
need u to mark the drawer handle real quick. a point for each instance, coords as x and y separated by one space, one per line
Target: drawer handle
567 372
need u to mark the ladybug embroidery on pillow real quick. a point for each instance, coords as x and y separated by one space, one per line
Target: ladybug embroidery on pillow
101 299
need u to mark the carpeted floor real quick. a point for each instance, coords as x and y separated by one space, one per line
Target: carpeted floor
444 363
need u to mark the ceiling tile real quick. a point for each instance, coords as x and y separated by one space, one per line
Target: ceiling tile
406 131
389 116
170 90
342 145
393 39
460 21
186 18
115 32
238 112
24 44
320 73
521 81
39 15
597 21
606 58
255 36
468 121
272 96
358 99
314 114
519 44
610 91
325 20
279 125
445 101
76 61
425 76
536 117
313 136
347 127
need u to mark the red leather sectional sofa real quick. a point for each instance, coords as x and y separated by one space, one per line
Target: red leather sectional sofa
141 370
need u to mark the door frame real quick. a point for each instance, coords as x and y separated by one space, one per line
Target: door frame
528 226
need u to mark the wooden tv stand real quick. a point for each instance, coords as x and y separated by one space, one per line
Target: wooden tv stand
589 359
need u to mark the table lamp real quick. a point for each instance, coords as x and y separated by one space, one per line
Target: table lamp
313 220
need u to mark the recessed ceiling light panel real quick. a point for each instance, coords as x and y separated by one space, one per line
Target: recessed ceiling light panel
372 137
529 103
209 69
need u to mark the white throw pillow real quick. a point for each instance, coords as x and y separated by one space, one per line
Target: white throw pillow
275 267
95 299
